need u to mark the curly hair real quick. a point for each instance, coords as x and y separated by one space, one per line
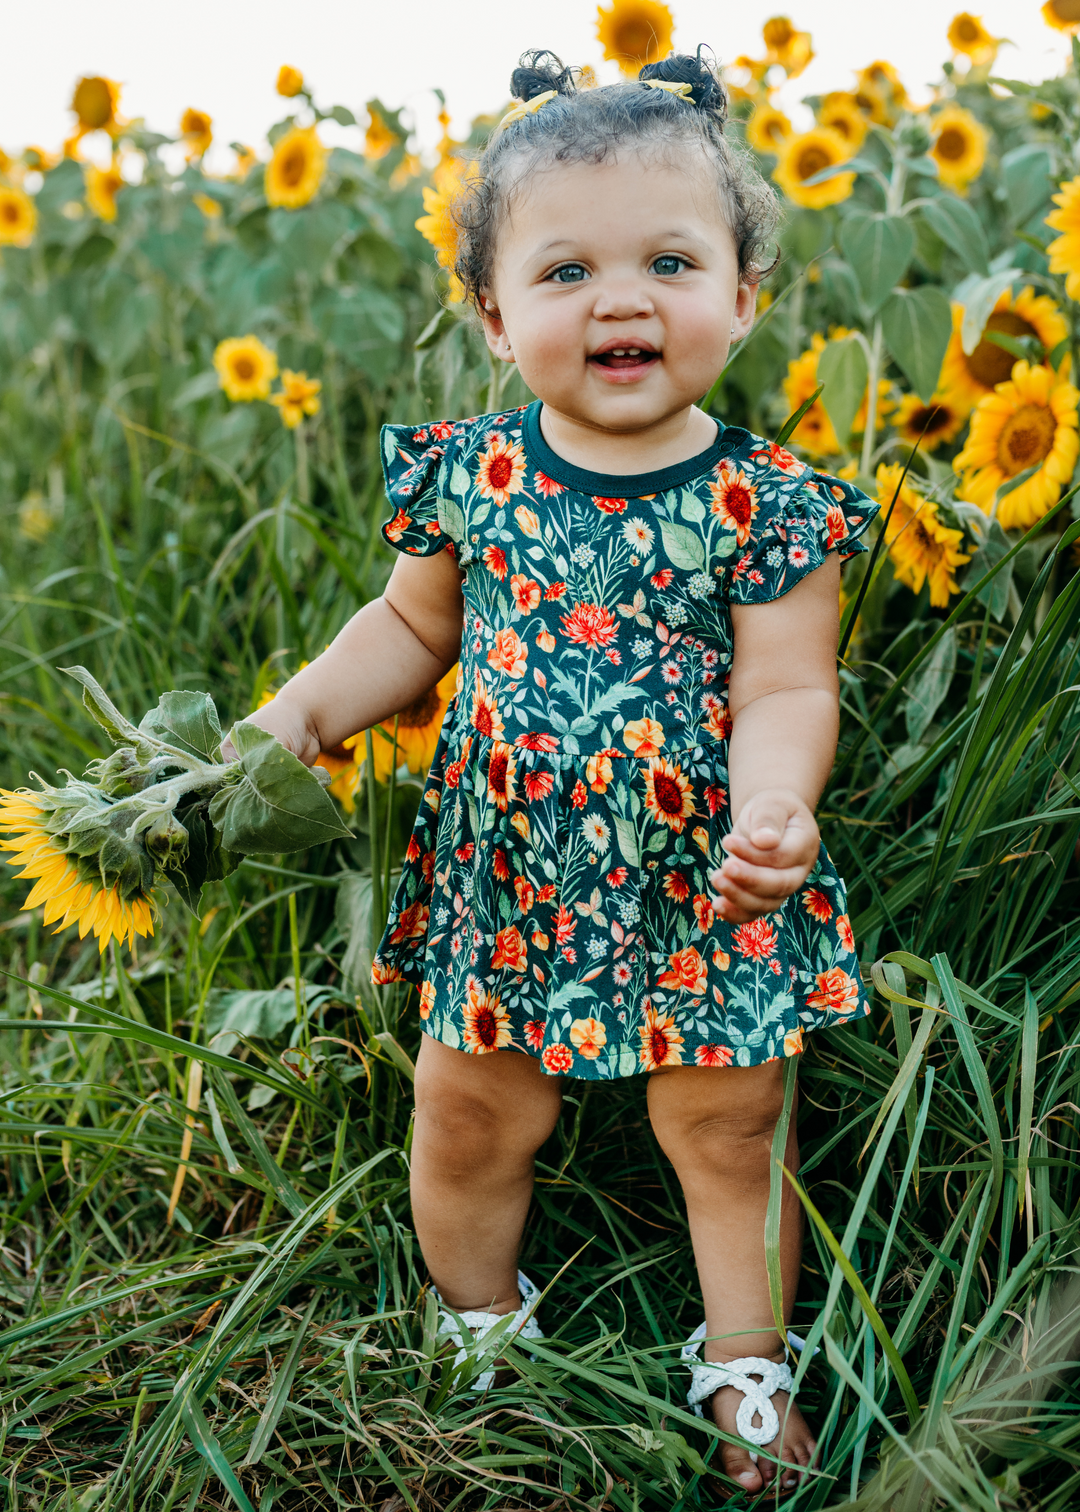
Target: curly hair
588 126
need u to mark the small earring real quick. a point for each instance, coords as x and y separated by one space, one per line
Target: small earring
732 330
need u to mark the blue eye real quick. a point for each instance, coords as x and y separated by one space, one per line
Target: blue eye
668 265
569 273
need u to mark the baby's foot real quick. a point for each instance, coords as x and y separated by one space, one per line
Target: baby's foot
794 1443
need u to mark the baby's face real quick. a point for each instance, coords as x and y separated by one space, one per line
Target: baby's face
617 287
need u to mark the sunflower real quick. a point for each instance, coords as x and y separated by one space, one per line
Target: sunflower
749 88
95 102
931 425
959 147
102 187
297 397
18 218
784 45
923 550
73 889
879 92
296 169
195 129
966 377
1064 250
968 35
661 1042
1063 15
634 32
38 160
379 136
418 729
439 225
245 160
245 367
668 795
767 129
840 112
290 81
1028 422
802 157
209 207
487 1023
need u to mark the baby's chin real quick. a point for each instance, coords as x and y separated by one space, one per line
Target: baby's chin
618 409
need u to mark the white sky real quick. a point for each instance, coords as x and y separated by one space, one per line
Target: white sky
222 56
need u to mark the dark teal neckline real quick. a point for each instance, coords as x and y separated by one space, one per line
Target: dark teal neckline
622 485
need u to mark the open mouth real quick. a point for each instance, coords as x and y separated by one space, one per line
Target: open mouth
618 359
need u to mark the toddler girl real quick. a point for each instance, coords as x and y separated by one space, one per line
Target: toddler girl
644 605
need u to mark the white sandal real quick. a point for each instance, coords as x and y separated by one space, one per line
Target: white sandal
522 1325
708 1376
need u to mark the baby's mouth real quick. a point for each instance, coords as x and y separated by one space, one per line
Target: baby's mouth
625 357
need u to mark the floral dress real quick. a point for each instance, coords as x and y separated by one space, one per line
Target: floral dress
555 894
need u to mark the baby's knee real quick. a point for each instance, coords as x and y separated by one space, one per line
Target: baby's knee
721 1131
477 1124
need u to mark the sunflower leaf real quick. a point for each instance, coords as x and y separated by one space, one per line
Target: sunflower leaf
842 368
956 223
916 324
101 708
879 248
278 805
187 720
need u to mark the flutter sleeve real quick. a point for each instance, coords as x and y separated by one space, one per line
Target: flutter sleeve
413 457
800 519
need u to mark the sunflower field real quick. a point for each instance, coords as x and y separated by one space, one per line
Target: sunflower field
211 1294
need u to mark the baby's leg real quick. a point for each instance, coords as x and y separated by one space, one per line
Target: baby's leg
480 1119
716 1127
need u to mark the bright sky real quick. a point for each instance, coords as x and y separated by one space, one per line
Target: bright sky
222 56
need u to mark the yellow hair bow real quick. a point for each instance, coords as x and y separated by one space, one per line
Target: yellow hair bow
684 90
527 107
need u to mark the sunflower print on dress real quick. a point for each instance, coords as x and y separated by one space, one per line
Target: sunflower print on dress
555 898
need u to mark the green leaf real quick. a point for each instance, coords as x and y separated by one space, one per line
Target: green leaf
460 481
842 368
101 708
917 324
451 519
685 548
205 861
927 690
981 299
188 721
279 1395
207 1445
993 545
959 228
1028 182
439 326
879 248
278 805
626 835
791 424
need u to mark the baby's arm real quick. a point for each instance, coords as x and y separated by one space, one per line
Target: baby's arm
784 699
391 651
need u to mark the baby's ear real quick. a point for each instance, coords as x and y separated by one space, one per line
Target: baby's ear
494 330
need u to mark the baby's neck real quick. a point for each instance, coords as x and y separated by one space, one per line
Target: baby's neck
675 438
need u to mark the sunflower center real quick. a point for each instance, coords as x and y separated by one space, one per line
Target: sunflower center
927 420
93 103
500 471
243 368
777 33
497 773
669 798
292 167
634 36
812 160
486 1027
1026 439
774 130
421 711
952 144
658 1046
966 30
989 363
840 123
10 212
737 504
1066 10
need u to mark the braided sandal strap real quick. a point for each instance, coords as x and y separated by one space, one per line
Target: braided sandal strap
707 1376
522 1325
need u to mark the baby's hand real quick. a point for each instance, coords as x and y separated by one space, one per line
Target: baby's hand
288 722
770 851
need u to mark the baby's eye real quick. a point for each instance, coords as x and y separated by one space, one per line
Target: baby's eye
569 273
668 265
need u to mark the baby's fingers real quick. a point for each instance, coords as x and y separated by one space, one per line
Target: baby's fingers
753 890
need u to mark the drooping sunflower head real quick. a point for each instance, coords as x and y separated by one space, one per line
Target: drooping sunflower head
803 157
102 187
245 367
879 92
959 146
296 169
95 104
105 889
1063 15
931 425
634 32
298 396
380 136
767 129
290 81
969 36
791 49
1028 422
195 128
1034 320
839 111
923 548
18 217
